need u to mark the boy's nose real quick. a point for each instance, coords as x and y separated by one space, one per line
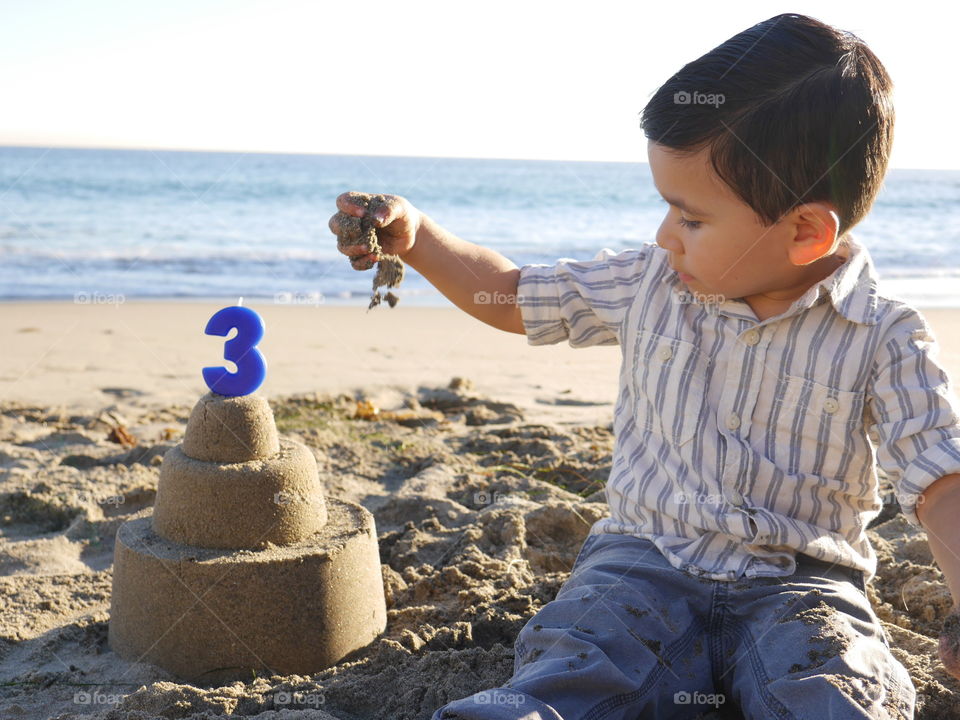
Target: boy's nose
667 241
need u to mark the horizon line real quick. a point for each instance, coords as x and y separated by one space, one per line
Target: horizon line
370 155
294 152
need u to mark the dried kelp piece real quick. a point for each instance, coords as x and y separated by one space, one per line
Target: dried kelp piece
362 232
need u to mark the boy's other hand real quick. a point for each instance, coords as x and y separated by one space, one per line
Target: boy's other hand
368 226
950 643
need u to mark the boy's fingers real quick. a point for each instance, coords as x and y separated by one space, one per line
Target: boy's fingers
345 224
353 203
352 239
352 232
363 262
385 211
356 250
383 208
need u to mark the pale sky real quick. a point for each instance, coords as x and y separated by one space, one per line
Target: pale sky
517 79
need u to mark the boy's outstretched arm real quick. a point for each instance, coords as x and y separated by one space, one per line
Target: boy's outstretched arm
479 281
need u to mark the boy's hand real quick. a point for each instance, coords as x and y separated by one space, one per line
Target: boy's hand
368 226
950 643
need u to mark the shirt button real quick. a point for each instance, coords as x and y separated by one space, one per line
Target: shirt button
751 337
665 353
735 497
733 421
831 405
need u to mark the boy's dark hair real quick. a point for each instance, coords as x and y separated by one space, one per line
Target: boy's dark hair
805 115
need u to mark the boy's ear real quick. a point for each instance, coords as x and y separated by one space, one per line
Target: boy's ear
816 226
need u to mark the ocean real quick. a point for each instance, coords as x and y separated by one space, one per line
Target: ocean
143 224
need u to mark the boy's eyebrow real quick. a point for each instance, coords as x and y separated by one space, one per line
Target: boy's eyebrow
677 202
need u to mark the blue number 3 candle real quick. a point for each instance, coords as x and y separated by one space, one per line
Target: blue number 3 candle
241 350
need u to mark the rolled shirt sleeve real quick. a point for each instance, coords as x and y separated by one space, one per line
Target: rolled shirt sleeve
916 412
583 302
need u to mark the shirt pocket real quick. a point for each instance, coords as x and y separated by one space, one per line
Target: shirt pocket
824 426
670 380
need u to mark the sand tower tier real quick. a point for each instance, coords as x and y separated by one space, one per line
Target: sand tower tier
231 429
215 616
276 500
232 483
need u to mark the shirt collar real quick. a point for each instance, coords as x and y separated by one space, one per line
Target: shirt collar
852 288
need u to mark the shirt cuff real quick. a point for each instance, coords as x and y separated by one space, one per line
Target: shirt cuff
928 467
541 316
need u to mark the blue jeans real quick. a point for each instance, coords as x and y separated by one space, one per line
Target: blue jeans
630 637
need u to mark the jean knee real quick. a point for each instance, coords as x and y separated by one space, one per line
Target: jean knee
817 652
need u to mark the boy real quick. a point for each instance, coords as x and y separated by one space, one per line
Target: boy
762 369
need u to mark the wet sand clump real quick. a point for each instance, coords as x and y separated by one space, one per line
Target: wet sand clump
362 232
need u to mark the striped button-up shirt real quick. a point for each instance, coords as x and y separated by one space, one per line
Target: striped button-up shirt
739 442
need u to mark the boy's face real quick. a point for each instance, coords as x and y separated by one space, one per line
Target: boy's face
718 239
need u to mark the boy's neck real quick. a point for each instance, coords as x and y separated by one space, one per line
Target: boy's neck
764 306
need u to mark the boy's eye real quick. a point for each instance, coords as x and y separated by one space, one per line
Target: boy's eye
691 224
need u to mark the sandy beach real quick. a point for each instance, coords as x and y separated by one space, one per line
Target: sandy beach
481 503
143 354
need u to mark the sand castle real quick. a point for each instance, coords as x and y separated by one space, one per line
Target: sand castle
243 565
